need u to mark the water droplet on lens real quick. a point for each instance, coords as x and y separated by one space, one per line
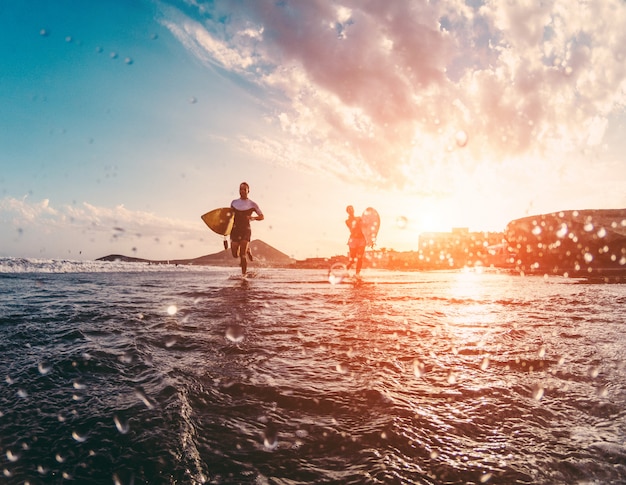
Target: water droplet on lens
562 231
270 437
461 138
451 378
193 100
44 32
128 61
79 385
485 478
43 368
121 427
113 55
401 222
142 396
419 369
594 372
235 333
79 438
538 391
171 310
588 257
13 457
126 358
484 364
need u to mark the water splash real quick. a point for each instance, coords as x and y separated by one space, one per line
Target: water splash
337 273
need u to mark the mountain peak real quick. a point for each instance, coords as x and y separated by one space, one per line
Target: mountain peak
263 253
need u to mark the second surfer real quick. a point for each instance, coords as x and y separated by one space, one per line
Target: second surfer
357 241
242 232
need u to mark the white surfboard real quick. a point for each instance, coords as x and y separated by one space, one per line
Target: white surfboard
370 222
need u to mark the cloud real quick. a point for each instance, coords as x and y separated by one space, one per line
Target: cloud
19 211
381 90
116 221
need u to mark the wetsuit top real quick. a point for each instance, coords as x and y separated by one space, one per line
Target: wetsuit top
356 232
243 209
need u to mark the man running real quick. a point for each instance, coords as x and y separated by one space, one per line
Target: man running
241 232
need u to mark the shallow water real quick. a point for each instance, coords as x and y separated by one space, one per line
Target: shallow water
132 374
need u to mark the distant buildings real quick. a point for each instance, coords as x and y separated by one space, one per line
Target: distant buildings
436 250
460 248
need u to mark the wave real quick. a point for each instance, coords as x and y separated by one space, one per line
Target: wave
34 265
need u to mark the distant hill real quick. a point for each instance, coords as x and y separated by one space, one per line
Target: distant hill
263 253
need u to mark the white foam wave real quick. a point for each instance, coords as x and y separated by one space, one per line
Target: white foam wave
32 265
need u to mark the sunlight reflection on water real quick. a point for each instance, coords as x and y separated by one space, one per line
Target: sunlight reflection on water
458 377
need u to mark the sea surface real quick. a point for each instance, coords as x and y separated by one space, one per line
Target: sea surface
119 373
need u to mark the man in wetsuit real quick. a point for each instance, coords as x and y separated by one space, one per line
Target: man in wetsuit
241 233
357 241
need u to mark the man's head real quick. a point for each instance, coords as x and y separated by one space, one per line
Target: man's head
244 189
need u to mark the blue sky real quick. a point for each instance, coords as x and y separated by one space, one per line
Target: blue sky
122 122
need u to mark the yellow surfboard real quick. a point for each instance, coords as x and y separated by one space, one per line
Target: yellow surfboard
220 220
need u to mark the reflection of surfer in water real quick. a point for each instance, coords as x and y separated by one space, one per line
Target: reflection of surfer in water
357 241
241 233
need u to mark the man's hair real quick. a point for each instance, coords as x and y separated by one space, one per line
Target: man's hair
244 183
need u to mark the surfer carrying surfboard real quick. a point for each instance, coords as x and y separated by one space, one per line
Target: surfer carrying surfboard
242 232
357 241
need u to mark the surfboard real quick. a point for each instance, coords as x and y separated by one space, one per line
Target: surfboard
370 221
220 220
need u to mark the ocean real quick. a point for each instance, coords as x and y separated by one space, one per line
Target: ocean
120 373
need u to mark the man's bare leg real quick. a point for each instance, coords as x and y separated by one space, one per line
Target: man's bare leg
234 248
243 249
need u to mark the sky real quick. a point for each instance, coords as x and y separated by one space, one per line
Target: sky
121 122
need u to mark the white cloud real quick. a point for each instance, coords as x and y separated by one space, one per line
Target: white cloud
20 210
23 213
378 90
